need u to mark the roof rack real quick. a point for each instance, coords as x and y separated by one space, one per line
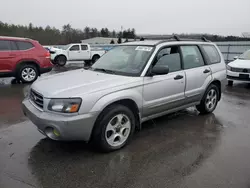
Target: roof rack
177 38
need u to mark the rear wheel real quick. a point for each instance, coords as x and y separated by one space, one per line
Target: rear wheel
230 83
114 128
61 60
27 73
95 58
209 100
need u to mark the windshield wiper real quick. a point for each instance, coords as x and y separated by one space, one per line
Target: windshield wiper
104 70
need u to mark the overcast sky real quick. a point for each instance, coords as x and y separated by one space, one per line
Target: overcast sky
226 17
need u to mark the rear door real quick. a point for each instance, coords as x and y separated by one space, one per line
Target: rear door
198 74
6 59
85 52
215 61
75 52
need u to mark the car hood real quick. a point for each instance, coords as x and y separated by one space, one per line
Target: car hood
240 63
79 82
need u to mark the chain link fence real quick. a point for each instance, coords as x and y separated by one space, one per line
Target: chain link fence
232 49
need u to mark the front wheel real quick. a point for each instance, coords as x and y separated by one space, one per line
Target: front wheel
61 60
230 83
114 128
209 100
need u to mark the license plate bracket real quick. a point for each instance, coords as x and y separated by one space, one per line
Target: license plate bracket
244 76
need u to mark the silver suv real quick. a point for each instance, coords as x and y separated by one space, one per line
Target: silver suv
132 83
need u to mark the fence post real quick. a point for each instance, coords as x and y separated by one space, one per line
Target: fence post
228 51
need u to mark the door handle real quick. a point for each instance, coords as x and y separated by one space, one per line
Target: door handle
178 77
206 71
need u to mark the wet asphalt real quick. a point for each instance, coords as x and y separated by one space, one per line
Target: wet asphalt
183 149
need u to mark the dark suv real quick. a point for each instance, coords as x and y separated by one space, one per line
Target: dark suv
23 58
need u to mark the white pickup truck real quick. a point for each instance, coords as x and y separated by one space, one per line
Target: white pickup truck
75 52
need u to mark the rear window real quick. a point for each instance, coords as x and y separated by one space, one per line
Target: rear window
212 53
4 45
24 45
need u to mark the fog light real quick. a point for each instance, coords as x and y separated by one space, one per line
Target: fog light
52 133
56 132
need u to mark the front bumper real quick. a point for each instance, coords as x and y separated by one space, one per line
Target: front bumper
77 127
235 76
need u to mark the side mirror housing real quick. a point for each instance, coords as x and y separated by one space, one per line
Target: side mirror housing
235 57
159 70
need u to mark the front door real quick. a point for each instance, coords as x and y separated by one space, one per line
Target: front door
164 92
198 75
75 53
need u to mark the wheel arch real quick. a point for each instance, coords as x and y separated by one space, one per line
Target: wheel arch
95 55
218 84
128 102
27 62
59 55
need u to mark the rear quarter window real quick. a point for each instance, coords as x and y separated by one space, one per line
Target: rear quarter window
212 54
24 45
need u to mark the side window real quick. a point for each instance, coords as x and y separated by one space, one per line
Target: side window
191 57
170 57
212 53
13 45
74 48
84 47
24 45
4 45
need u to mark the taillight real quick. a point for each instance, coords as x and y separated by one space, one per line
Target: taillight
47 55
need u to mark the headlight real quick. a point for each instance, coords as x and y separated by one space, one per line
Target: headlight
65 105
229 68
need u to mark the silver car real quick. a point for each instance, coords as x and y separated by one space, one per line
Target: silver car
132 83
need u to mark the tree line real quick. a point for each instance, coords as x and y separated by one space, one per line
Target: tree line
53 36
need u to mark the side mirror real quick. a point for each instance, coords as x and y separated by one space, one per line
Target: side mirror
235 57
159 70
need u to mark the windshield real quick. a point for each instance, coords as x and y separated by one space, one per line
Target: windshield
245 55
124 60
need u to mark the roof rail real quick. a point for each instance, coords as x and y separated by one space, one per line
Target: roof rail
204 39
176 37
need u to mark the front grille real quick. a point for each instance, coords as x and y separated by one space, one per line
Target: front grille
36 98
240 70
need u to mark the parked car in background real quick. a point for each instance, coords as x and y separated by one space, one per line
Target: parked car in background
130 84
239 69
75 52
23 58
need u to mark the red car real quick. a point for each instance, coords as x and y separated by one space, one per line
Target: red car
23 58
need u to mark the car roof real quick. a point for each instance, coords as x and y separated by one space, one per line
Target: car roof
13 38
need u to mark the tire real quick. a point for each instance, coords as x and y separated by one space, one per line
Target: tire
114 128
61 60
27 73
209 100
88 62
94 59
230 83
